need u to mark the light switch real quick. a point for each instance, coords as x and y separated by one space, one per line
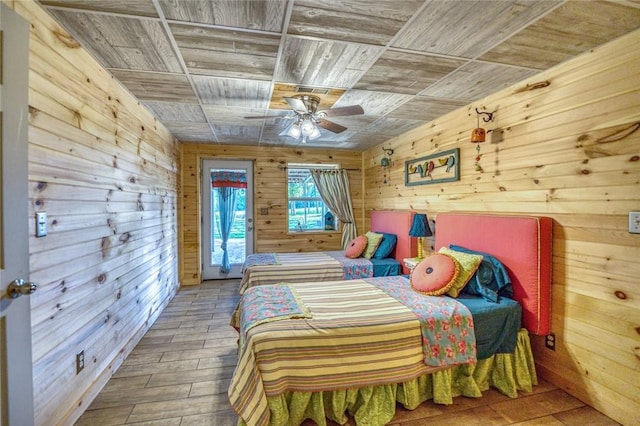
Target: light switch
41 224
634 222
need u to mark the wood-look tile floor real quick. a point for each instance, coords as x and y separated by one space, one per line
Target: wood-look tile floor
179 372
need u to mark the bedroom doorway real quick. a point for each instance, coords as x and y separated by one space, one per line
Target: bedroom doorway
227 217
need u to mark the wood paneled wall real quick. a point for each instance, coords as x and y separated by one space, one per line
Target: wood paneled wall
106 174
568 151
270 192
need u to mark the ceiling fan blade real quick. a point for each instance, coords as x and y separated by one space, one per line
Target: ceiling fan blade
297 104
271 116
342 111
331 126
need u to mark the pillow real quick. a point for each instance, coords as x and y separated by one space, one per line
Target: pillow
468 265
356 247
434 275
373 243
491 280
386 246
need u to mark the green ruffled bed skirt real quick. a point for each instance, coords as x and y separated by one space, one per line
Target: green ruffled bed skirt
376 405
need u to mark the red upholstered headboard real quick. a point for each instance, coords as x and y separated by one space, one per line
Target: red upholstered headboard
522 243
398 223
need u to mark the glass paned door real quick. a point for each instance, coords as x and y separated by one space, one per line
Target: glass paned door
227 203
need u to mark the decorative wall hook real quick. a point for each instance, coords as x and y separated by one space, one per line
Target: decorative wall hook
489 115
479 135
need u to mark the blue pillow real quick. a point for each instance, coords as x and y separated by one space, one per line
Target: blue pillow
491 280
386 246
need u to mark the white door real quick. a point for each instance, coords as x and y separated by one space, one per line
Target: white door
227 217
16 385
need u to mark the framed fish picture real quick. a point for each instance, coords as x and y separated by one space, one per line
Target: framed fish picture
435 168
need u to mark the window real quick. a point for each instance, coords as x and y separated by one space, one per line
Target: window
305 206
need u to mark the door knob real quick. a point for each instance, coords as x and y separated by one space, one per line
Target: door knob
19 287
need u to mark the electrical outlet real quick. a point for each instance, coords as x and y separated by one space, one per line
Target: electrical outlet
634 222
79 361
550 341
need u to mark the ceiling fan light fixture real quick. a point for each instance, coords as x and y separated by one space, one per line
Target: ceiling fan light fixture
308 127
294 131
315 134
308 120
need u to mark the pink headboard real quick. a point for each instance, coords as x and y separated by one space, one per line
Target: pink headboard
522 243
398 223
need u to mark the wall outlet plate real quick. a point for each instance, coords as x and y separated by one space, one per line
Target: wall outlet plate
79 361
634 222
550 341
41 224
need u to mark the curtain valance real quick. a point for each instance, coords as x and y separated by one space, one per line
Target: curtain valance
228 179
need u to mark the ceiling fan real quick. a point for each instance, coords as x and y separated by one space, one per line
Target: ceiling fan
308 118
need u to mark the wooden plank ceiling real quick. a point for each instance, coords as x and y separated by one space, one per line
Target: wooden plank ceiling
202 66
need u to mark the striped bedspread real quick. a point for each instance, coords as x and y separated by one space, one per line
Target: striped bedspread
272 268
358 336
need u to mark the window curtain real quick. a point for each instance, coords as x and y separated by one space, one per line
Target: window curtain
333 186
226 185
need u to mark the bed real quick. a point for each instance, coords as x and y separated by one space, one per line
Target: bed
335 349
270 268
